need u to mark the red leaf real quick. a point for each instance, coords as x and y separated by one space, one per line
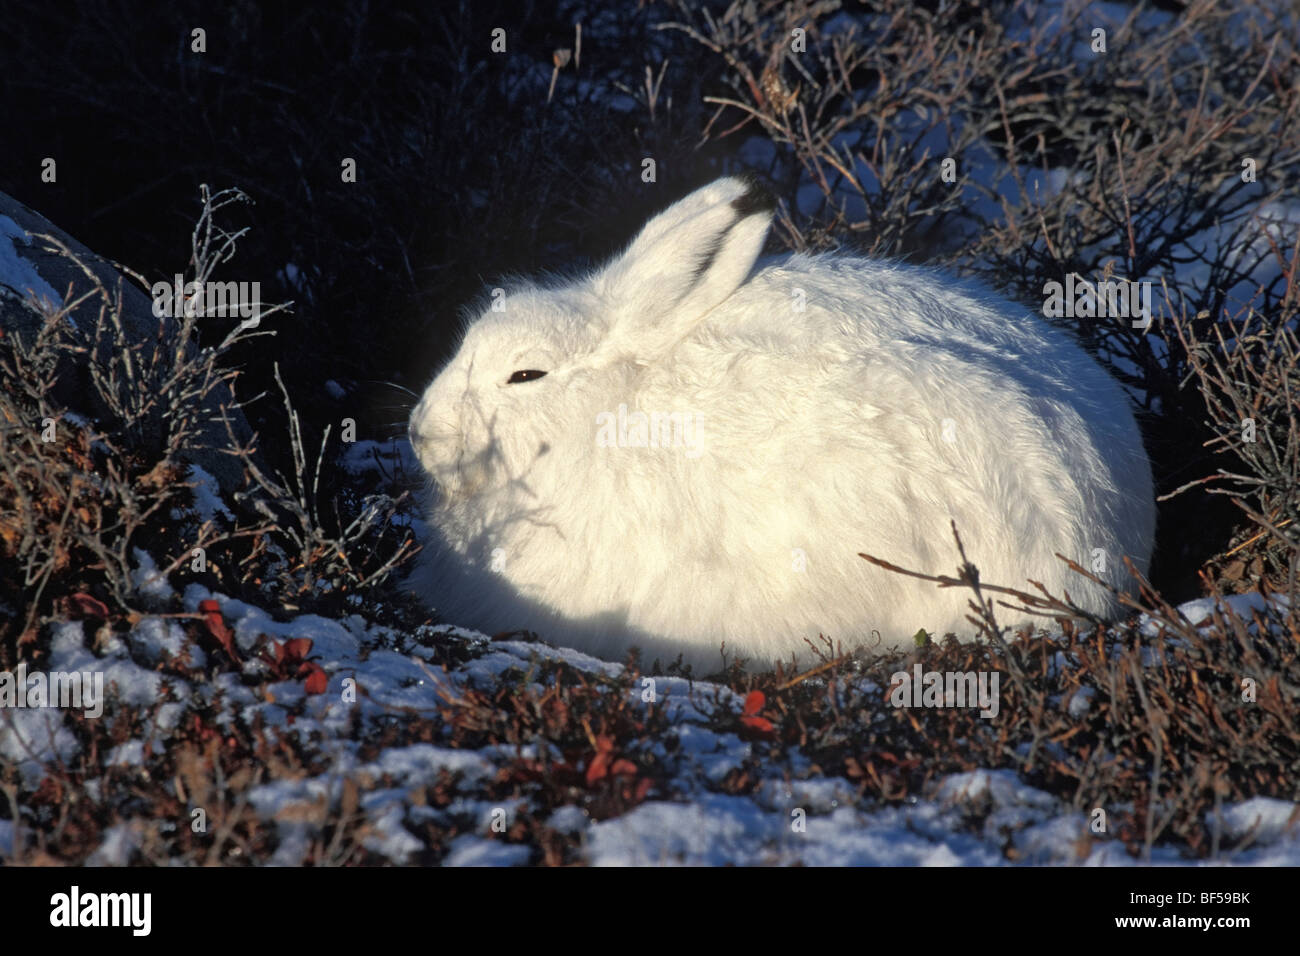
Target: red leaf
297 648
317 681
761 724
598 767
754 702
623 766
216 625
88 606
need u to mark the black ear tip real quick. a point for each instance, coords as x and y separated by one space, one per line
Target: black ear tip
756 197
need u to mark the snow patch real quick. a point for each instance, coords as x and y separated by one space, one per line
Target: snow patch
17 275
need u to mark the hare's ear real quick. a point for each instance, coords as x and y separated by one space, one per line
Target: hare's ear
692 255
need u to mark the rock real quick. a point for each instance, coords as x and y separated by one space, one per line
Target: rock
25 262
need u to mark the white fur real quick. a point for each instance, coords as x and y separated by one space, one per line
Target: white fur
897 400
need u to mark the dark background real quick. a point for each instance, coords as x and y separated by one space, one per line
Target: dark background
461 176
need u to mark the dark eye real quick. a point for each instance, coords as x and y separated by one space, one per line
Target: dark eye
524 375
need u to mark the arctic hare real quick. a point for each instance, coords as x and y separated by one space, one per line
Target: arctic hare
687 447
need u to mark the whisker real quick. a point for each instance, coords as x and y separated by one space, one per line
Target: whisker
400 388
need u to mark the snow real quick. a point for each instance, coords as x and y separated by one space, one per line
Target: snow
717 830
470 850
30 739
207 497
793 815
1265 819
1081 702
129 754
1200 611
1251 235
566 819
390 838
421 763
290 797
16 273
150 583
710 830
119 845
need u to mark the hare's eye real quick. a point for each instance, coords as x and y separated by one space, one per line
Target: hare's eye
524 375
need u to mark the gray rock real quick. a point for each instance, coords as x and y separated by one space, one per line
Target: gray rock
59 274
